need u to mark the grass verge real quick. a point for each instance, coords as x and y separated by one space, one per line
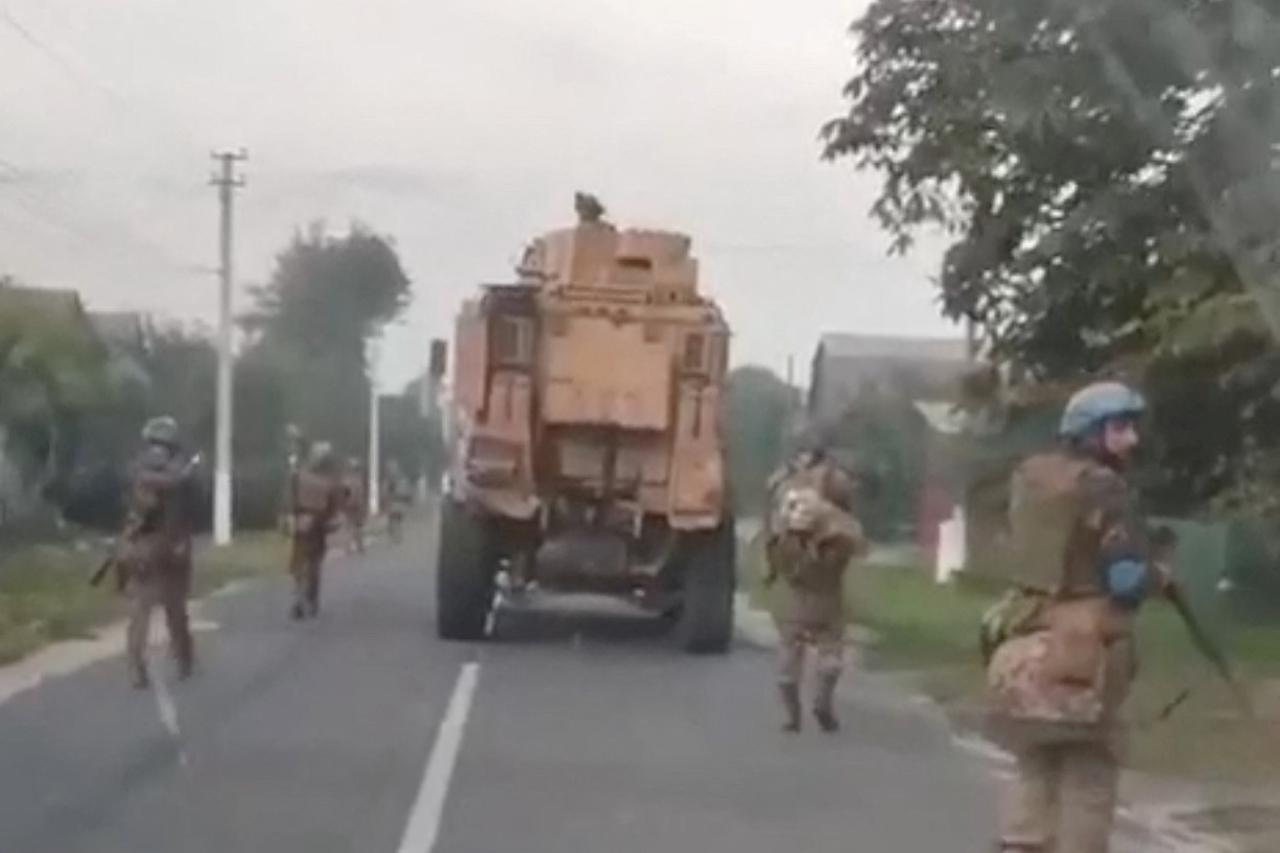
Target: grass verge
45 595
928 633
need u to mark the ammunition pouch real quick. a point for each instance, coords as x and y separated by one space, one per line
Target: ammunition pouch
1055 671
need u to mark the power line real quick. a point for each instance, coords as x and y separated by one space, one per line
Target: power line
54 56
87 80
20 195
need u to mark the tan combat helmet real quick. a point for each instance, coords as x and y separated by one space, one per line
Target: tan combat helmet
161 430
321 455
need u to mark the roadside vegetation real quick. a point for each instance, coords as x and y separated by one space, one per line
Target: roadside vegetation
45 594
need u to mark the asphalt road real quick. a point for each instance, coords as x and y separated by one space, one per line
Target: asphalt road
581 734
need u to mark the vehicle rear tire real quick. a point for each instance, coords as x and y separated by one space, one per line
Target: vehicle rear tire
705 623
465 568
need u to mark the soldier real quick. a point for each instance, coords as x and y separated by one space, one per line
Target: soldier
314 499
810 539
1060 646
354 504
297 447
395 500
154 559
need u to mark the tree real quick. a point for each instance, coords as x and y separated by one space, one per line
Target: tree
1104 169
408 438
309 328
758 405
883 440
173 375
51 374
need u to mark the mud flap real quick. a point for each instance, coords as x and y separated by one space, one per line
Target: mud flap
708 565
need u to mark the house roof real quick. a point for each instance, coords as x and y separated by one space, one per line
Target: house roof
64 302
123 329
844 345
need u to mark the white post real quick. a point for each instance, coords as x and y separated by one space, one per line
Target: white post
952 546
375 429
226 182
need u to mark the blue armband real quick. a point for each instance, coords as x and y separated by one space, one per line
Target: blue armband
1125 581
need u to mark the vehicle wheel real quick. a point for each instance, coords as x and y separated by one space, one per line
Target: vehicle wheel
705 623
465 568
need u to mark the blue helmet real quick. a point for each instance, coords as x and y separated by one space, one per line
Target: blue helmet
1089 407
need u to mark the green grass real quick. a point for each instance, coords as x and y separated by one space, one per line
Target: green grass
928 633
45 595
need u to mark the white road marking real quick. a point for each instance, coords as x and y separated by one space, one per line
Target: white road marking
233 588
424 819
168 711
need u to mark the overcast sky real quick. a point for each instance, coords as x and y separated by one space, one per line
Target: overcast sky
459 127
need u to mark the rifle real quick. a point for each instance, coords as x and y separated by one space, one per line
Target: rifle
101 572
1207 647
1164 541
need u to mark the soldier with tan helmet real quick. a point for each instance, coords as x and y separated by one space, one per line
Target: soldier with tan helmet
810 460
397 496
354 504
314 499
1060 645
811 537
154 555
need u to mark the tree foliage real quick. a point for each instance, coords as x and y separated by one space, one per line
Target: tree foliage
758 405
309 332
51 374
1106 173
884 442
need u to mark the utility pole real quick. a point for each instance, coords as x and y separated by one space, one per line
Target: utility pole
227 182
375 429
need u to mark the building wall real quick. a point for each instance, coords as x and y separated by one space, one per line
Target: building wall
16 498
838 380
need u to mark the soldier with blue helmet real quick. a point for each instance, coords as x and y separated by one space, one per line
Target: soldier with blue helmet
1060 646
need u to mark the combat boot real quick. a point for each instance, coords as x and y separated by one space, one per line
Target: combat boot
823 710
791 706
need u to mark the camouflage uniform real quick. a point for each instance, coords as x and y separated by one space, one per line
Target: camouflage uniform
155 557
354 505
314 499
396 499
1061 674
810 541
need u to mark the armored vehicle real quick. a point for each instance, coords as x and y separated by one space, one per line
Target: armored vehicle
587 452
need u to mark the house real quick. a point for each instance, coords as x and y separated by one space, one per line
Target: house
882 396
848 365
128 338
122 331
